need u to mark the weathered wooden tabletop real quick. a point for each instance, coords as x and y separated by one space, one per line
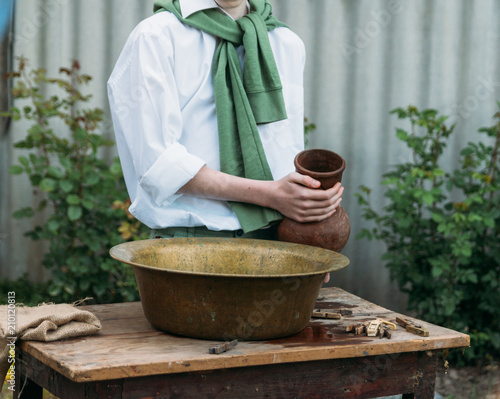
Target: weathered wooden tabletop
128 346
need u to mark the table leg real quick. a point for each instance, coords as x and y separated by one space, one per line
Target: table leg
26 388
426 376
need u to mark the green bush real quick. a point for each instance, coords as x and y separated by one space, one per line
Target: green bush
85 195
442 230
27 292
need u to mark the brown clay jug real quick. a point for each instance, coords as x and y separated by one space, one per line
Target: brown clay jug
332 233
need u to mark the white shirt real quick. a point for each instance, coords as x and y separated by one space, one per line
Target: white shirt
163 110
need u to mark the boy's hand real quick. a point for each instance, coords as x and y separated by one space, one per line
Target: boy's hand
300 198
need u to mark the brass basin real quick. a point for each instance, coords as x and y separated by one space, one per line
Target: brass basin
228 288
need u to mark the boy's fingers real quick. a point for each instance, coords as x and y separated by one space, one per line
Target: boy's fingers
308 181
305 180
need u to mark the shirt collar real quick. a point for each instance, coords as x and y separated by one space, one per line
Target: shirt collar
189 7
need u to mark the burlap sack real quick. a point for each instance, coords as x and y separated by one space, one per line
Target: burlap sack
42 323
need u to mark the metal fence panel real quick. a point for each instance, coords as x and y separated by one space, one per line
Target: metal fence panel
365 57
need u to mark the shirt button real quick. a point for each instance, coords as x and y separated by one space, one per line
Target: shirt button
239 232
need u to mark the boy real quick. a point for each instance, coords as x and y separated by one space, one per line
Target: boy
207 104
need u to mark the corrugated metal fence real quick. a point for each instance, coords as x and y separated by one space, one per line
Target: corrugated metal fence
365 57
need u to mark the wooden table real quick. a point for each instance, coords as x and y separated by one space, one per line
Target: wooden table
131 359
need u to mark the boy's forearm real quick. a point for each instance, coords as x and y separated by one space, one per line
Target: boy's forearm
295 196
210 183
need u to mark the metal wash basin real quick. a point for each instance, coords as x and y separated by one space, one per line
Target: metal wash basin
227 288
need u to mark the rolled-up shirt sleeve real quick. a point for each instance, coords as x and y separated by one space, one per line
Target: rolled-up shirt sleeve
171 170
147 119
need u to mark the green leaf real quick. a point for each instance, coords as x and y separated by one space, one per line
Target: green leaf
53 225
80 134
364 233
436 271
74 213
92 179
437 217
400 111
35 179
42 205
95 246
115 169
23 144
428 198
48 184
443 228
442 119
401 134
55 172
15 170
35 133
489 222
405 222
73 199
472 277
87 204
429 113
365 189
65 162
24 160
15 113
438 172
390 180
23 213
474 217
66 185
466 251
449 306
467 151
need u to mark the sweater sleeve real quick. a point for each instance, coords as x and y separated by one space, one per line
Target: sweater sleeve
147 119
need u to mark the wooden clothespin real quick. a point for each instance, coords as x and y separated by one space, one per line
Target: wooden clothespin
372 329
388 324
412 327
217 349
385 332
357 329
360 329
323 314
376 325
